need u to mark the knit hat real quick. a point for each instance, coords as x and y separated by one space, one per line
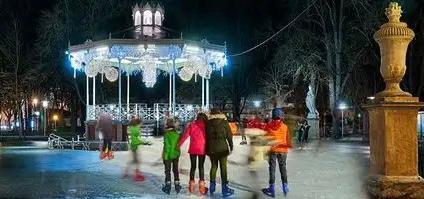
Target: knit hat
277 113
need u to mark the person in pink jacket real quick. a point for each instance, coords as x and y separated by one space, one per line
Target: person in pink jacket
196 131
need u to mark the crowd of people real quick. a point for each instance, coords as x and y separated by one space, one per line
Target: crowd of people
211 134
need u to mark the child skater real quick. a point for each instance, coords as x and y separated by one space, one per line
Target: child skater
105 128
135 142
171 155
197 151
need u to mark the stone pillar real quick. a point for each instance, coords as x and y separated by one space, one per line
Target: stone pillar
393 118
119 131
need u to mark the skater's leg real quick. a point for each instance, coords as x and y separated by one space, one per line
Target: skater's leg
282 164
109 144
214 168
167 164
306 136
192 166
282 158
176 175
226 191
201 167
271 161
175 169
223 169
104 145
202 184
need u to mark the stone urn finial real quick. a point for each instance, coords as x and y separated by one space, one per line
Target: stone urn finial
393 39
394 12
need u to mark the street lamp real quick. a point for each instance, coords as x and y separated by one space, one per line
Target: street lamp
35 102
342 106
257 104
55 118
45 104
34 117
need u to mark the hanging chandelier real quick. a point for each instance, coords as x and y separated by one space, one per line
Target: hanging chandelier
148 64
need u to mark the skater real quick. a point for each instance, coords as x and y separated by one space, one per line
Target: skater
135 142
105 129
171 155
219 144
259 148
279 133
197 151
306 128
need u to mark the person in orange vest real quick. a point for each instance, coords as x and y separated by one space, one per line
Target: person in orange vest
278 132
233 127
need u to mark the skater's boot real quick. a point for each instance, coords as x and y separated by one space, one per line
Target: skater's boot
212 186
138 176
103 155
177 186
270 191
110 155
202 187
191 185
226 191
167 188
285 188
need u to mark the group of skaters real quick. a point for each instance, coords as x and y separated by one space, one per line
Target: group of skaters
211 135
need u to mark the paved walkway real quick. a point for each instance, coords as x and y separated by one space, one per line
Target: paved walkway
322 170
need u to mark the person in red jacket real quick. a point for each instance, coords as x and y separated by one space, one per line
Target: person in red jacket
278 132
197 151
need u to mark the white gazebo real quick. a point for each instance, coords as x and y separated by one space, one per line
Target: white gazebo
151 54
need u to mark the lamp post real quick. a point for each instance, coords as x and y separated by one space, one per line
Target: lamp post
45 104
34 116
342 106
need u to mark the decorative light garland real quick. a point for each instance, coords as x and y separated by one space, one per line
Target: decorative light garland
193 60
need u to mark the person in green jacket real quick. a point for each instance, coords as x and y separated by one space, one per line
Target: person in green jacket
171 155
134 140
219 144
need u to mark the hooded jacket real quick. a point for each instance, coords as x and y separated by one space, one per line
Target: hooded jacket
135 140
171 150
279 134
196 132
219 139
105 125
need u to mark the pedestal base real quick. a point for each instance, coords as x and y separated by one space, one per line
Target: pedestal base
405 187
314 130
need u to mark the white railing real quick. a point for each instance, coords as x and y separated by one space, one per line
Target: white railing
158 112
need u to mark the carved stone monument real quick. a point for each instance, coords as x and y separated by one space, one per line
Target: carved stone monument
313 117
393 118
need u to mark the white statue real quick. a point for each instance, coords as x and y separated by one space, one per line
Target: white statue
310 103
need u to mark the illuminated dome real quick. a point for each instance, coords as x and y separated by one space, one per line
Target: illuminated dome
148 18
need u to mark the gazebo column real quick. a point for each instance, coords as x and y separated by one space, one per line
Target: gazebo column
393 118
203 92
173 86
128 95
87 97
170 92
119 90
94 96
207 94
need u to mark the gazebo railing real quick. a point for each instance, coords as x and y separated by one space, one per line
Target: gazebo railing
158 112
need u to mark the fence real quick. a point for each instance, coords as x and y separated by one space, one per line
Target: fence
156 113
